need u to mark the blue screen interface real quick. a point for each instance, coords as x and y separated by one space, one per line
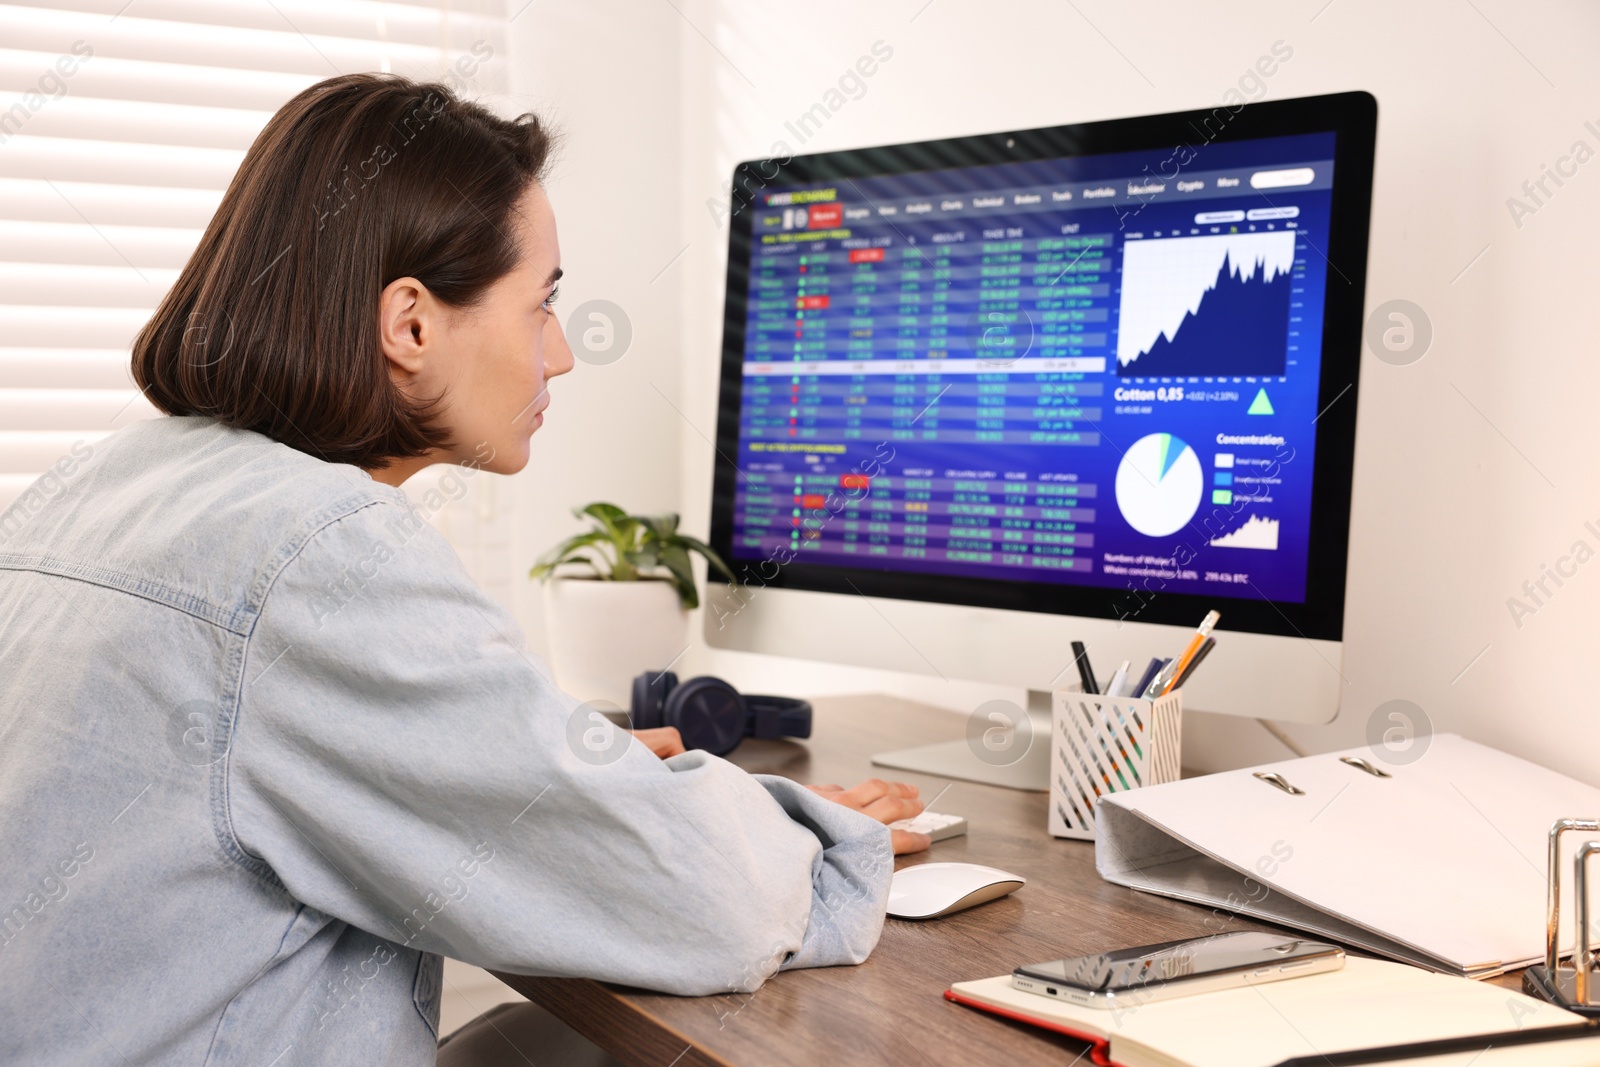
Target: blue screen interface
1095 370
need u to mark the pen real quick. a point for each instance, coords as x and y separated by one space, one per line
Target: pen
1118 680
1201 633
1158 684
1211 643
1085 672
1145 679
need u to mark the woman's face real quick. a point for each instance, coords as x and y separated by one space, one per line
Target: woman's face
492 363
505 350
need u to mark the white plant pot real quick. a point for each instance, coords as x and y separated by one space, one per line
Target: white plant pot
603 634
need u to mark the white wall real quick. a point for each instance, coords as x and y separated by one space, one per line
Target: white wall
1476 465
607 74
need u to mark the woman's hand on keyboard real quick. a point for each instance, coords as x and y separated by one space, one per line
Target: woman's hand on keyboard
885 801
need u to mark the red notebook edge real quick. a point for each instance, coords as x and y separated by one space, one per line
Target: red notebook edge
1099 1054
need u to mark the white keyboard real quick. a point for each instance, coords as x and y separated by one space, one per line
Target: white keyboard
935 824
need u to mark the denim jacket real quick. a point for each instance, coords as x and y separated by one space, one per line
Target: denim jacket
267 754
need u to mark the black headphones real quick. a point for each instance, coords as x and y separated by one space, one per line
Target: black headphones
711 714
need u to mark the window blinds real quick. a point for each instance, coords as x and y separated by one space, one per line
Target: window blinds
121 123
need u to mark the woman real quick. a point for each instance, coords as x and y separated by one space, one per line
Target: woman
268 753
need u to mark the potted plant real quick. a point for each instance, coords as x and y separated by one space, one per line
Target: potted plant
617 599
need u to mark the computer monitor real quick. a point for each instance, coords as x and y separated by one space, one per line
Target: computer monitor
985 396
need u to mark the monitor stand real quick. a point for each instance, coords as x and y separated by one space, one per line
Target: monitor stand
1028 770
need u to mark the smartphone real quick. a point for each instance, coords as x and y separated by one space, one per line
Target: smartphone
1133 976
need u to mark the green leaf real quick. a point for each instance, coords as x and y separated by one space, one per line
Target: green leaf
676 559
608 515
644 558
664 526
611 520
567 552
639 547
601 567
709 553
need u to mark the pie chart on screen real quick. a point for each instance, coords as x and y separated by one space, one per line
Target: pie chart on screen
1159 484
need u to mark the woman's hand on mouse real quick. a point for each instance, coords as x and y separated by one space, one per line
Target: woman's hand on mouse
664 741
885 801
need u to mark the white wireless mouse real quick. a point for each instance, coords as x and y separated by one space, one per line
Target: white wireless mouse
930 890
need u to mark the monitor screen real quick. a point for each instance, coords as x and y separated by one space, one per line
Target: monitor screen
1092 371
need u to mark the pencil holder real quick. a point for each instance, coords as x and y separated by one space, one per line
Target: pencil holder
1100 745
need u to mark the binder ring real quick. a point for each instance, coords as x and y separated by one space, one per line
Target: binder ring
1274 778
1546 980
1552 944
1580 885
1365 765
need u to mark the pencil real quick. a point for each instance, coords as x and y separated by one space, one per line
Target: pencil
1211 642
1201 633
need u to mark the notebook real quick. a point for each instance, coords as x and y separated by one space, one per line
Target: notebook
1366 1004
1438 862
1570 1051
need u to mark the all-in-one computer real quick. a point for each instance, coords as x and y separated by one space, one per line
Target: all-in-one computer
985 396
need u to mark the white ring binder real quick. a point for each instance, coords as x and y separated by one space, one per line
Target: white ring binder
1436 864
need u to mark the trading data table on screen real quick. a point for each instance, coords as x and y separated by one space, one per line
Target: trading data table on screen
1096 370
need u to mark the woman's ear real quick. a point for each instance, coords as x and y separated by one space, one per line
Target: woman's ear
406 326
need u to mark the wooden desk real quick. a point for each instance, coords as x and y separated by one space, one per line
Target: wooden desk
890 1010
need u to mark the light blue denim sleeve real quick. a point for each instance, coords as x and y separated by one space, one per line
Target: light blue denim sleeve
849 877
403 764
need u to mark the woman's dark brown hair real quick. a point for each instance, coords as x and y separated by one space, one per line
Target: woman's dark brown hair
272 325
